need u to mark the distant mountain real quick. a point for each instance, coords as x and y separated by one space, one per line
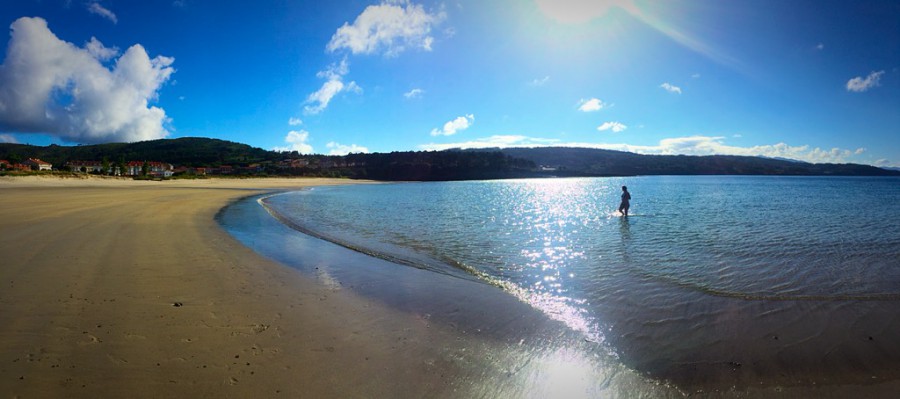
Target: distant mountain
598 162
456 164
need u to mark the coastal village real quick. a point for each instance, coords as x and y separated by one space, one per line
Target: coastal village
158 169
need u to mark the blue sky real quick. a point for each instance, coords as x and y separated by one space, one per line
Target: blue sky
811 80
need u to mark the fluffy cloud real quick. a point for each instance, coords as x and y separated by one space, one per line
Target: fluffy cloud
51 86
296 141
670 88
458 124
294 121
334 84
99 51
886 163
389 28
616 127
860 84
414 93
96 8
341 149
498 141
692 145
591 105
705 145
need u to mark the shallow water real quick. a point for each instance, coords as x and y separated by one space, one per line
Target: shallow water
712 281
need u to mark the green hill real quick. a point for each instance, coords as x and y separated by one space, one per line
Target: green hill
597 162
189 151
429 165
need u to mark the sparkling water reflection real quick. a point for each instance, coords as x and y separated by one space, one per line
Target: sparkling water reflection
752 276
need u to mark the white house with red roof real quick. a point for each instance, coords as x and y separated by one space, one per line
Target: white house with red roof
37 164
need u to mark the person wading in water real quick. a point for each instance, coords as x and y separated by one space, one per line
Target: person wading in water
626 201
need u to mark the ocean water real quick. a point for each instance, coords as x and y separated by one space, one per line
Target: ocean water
711 281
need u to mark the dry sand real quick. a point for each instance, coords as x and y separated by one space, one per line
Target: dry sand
117 288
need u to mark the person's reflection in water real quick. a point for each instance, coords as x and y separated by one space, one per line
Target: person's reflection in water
625 231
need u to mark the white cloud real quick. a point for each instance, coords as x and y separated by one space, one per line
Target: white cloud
886 163
498 141
693 145
820 46
860 84
389 28
616 127
51 86
695 76
8 138
341 149
294 121
334 75
414 93
96 8
335 71
99 51
450 128
591 105
539 82
296 141
670 88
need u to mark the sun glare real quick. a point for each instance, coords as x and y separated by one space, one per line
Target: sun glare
580 11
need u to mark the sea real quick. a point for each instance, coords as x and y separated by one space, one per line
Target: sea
711 283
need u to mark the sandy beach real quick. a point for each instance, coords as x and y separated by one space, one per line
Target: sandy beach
118 288
121 288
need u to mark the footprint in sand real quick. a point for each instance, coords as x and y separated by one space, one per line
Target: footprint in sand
89 339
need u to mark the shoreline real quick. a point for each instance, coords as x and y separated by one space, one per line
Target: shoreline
132 288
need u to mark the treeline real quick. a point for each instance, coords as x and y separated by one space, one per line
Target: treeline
437 166
213 156
597 162
220 157
189 151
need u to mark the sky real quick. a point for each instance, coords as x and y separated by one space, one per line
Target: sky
812 80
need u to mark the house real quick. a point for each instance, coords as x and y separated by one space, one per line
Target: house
37 164
156 169
85 166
